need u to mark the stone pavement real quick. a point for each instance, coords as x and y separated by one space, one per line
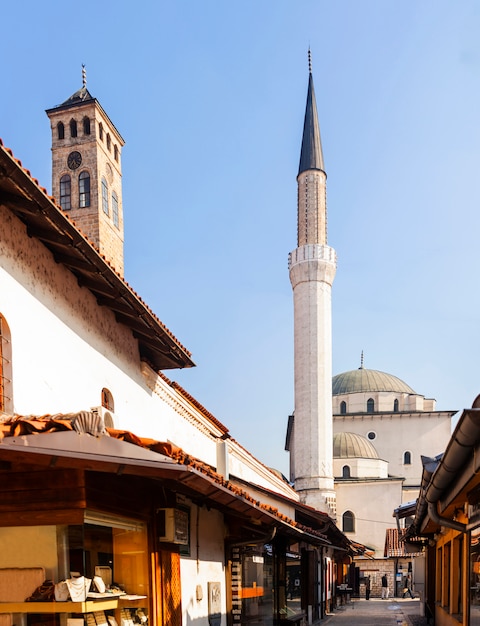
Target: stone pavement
377 612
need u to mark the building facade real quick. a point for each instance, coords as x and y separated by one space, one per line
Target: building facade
113 473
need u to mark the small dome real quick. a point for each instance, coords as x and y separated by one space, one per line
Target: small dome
362 379
352 446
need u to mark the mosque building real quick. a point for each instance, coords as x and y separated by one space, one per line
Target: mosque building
355 440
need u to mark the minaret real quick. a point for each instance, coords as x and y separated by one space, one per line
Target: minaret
312 270
87 171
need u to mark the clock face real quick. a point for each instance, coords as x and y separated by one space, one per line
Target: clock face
74 160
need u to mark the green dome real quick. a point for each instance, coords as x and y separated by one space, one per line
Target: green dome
352 446
362 379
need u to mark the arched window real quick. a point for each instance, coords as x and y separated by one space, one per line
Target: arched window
66 193
84 189
407 458
348 522
395 405
115 208
370 405
60 130
343 407
115 152
73 128
346 471
109 143
107 399
6 400
86 125
105 197
100 131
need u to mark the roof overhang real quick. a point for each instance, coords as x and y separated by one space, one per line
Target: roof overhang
46 222
69 449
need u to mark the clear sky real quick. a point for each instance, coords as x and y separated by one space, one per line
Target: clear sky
209 97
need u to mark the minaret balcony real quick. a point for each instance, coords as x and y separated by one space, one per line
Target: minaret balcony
310 252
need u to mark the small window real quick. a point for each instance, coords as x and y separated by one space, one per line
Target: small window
115 209
73 128
109 143
105 197
115 152
346 471
407 458
60 130
343 407
107 400
348 522
84 190
395 405
86 125
100 131
66 193
370 405
371 435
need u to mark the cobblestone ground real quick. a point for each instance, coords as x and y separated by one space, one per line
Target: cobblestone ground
376 612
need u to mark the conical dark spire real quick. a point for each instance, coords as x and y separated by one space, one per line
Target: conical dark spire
311 156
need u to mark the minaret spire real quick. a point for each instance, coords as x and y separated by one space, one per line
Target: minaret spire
312 270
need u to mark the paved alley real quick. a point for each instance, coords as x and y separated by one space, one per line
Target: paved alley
377 612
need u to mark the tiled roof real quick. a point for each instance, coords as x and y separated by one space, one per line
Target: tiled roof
18 427
395 544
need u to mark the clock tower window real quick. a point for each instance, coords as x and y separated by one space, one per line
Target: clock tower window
86 126
73 128
84 189
66 193
100 131
115 152
105 197
108 142
60 130
115 209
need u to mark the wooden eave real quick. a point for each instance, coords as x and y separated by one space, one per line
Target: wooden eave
46 222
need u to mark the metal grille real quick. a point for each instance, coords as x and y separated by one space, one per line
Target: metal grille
171 589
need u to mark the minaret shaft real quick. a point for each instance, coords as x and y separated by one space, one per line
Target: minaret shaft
312 271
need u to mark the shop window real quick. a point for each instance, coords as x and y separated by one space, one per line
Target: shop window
86 125
446 576
105 197
66 192
343 407
6 401
395 405
73 128
60 130
115 209
407 458
348 522
457 576
84 189
370 405
346 471
474 585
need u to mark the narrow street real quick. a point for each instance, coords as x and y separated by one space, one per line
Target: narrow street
377 612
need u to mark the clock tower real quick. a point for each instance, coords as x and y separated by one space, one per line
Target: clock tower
87 171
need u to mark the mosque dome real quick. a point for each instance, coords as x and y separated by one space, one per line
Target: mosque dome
351 445
357 381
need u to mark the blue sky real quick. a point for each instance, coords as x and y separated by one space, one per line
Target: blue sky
209 97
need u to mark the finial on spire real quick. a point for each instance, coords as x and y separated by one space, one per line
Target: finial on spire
309 61
84 75
361 361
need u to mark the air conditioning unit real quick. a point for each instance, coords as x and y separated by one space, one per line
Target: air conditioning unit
173 526
105 414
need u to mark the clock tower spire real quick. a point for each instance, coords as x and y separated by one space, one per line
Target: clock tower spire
312 270
87 171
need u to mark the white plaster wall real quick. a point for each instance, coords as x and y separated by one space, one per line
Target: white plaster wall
205 564
372 503
66 348
361 468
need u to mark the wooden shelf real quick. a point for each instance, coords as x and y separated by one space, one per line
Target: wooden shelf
61 607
